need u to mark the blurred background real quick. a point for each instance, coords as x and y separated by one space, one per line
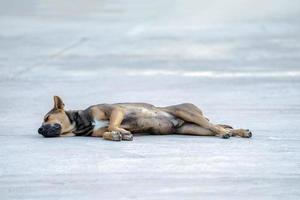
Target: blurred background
238 60
210 53
219 55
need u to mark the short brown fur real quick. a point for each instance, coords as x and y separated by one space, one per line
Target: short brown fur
125 119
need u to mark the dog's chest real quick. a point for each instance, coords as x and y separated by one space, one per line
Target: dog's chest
99 124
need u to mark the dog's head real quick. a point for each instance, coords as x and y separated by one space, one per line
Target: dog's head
56 121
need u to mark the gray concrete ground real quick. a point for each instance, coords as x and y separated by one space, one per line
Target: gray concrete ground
238 61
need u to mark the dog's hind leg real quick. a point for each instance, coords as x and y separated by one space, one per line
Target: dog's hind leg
246 133
190 113
193 129
184 106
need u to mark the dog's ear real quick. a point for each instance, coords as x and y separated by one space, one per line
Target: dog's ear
58 103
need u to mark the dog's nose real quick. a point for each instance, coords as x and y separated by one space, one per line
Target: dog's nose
41 130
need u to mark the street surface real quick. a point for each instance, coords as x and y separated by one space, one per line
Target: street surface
239 62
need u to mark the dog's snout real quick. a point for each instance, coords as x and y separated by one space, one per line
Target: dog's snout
41 130
48 130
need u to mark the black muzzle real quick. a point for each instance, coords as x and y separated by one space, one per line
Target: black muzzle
49 130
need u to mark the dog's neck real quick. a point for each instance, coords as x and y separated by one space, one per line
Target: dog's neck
82 120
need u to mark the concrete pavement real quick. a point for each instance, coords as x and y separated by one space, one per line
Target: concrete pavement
242 72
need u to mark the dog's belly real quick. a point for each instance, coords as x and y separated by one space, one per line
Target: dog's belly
151 121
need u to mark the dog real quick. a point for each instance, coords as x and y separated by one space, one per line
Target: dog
117 122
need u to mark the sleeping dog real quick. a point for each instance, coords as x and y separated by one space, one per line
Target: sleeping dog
120 121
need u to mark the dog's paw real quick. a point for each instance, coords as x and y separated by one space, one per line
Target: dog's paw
113 136
247 133
226 136
116 136
127 136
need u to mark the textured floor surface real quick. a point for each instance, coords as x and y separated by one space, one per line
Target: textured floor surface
240 70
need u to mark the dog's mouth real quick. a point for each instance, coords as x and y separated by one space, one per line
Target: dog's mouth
50 130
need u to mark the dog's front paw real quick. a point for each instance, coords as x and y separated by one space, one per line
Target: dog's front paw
127 136
118 136
113 136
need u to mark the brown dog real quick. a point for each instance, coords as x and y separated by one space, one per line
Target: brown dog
118 121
